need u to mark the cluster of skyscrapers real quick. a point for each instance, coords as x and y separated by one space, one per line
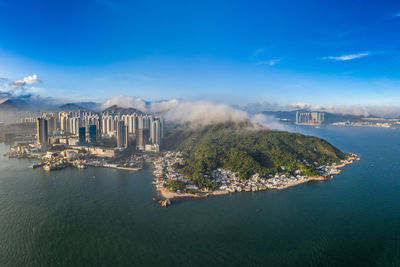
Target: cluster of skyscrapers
89 128
310 118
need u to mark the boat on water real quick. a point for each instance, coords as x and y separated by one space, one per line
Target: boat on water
53 167
36 165
81 166
48 167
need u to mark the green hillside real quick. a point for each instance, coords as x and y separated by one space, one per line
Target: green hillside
239 148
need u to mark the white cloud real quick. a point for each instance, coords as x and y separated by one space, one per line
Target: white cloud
207 113
271 62
347 57
26 81
344 110
257 52
125 102
204 113
162 105
194 112
260 107
299 105
270 122
381 111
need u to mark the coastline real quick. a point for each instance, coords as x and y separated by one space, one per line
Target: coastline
314 178
127 168
168 195
173 195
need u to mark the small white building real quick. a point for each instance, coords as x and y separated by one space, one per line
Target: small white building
152 148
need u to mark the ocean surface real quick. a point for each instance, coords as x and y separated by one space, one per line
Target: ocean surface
106 217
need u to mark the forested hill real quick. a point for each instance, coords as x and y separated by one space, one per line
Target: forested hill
239 148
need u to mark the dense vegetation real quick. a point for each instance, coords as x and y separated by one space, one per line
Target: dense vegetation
174 186
241 149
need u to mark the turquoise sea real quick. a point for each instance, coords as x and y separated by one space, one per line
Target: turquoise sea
70 218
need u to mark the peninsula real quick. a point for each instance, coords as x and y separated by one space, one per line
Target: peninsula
234 157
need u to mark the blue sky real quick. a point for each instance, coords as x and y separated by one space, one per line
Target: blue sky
319 52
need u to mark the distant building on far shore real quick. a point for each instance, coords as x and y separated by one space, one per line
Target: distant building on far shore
310 118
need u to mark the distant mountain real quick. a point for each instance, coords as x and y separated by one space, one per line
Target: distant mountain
117 109
13 105
25 103
329 117
93 106
87 106
286 115
70 107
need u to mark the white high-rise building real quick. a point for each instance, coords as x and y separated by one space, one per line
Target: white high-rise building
155 133
74 125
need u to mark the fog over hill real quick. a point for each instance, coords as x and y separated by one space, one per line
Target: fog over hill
200 112
88 106
122 110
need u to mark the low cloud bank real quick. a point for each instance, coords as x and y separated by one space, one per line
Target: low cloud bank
344 110
299 105
126 102
387 112
195 112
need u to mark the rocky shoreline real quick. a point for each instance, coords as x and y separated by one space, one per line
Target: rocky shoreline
262 184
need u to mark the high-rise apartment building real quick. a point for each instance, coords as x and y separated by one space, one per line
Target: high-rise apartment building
82 135
155 134
122 135
93 134
42 133
142 138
